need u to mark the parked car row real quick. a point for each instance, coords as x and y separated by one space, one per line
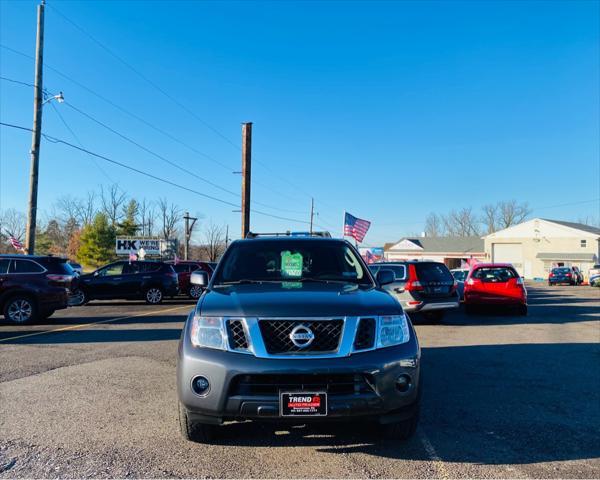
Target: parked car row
34 287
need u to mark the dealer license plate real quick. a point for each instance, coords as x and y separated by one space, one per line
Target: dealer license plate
303 404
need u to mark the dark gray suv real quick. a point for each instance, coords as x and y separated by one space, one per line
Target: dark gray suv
297 330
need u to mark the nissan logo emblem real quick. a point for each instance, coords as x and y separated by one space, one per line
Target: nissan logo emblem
302 336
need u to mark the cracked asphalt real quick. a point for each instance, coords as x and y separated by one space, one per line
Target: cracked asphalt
91 393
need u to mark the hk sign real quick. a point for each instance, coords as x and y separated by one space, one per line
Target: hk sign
152 246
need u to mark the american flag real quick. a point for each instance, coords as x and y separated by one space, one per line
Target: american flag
355 227
132 256
15 243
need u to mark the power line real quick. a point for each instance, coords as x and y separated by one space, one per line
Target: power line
17 81
170 136
141 146
154 177
147 150
144 77
79 142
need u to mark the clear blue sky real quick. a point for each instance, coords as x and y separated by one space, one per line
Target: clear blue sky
389 110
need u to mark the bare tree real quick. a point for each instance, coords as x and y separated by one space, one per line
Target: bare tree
434 225
147 215
14 223
490 217
214 241
170 216
112 201
511 213
80 210
461 223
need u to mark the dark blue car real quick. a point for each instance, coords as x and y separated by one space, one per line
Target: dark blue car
562 275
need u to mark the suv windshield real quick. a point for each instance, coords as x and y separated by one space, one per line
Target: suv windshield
291 261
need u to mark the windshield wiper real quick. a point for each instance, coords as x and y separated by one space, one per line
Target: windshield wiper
328 280
242 281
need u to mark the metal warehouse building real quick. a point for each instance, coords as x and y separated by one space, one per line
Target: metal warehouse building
536 246
450 250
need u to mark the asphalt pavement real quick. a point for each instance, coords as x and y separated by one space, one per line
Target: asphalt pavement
91 393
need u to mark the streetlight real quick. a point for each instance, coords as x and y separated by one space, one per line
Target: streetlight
35 159
60 98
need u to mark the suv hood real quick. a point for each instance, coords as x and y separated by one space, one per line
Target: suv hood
297 300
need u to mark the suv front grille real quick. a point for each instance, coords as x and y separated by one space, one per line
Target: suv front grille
276 335
237 335
270 385
365 334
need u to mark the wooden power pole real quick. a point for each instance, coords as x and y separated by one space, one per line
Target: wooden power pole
188 234
312 213
38 98
246 176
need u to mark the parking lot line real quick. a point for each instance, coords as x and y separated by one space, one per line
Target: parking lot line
82 325
438 463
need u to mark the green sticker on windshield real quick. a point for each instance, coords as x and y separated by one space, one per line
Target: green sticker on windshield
291 264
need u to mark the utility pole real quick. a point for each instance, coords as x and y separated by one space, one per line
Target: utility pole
188 234
312 213
246 176
38 98
226 237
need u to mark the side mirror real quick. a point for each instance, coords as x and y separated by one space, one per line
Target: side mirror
199 278
385 277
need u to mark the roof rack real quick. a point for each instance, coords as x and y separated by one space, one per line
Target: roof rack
289 234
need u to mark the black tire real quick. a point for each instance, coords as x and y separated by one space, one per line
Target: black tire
78 298
154 295
522 309
194 431
435 316
194 292
401 431
20 310
469 310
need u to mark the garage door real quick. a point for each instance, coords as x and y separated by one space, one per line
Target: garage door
508 253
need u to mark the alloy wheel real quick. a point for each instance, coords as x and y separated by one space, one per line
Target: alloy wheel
20 310
195 291
154 295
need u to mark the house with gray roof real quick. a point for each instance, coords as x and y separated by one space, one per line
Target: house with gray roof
453 251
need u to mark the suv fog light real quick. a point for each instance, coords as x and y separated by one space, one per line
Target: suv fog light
403 383
200 385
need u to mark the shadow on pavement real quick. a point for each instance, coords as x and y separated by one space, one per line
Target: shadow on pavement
501 404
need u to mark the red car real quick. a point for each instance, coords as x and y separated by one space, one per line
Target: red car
184 269
495 284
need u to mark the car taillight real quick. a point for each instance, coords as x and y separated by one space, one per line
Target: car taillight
568 274
413 283
551 274
454 287
59 279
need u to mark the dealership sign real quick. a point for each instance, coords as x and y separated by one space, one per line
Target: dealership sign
150 246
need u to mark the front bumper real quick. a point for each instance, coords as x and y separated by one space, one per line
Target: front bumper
378 369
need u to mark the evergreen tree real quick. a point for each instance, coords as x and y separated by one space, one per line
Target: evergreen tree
129 225
97 242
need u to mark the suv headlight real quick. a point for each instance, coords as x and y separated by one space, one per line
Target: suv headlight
208 332
393 330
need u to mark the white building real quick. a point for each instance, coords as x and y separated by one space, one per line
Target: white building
536 246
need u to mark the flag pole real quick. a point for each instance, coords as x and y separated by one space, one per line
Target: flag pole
344 224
